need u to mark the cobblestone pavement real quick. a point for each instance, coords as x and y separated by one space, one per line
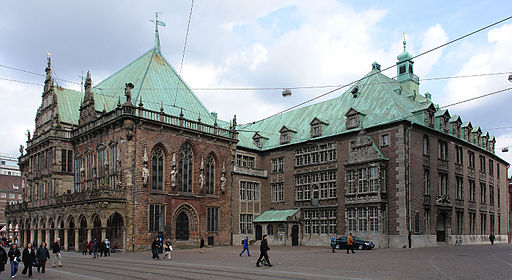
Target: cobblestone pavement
446 262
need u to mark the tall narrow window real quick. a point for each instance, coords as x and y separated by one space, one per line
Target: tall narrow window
156 217
374 179
426 145
426 182
212 218
460 188
113 166
483 195
101 166
157 169
185 168
443 184
363 180
78 174
210 175
472 191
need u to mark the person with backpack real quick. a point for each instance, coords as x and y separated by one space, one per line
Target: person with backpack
245 244
42 255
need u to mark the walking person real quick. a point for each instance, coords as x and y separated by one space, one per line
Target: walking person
95 246
154 249
491 238
168 249
89 246
29 255
42 256
57 258
102 249
350 243
264 251
3 259
14 257
201 245
333 242
83 247
107 247
245 244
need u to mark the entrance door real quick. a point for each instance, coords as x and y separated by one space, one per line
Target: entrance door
440 228
295 235
258 232
182 227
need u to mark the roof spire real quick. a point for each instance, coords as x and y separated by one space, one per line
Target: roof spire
48 82
157 23
405 42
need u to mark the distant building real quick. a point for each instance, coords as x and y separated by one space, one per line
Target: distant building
9 165
10 193
510 209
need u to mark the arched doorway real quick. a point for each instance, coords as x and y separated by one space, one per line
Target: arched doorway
61 231
182 227
258 232
82 233
115 230
96 230
441 228
71 235
295 235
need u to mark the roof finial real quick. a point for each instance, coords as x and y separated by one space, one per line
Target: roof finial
157 23
405 42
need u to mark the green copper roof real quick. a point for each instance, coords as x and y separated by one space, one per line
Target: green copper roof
69 104
275 216
156 83
378 99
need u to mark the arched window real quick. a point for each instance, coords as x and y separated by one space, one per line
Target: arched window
210 174
157 169
185 168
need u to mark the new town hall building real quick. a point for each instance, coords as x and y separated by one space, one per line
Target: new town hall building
139 155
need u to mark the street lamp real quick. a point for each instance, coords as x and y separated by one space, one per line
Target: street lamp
510 78
286 92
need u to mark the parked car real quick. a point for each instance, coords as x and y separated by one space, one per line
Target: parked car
341 243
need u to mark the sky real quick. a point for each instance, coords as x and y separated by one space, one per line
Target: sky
265 43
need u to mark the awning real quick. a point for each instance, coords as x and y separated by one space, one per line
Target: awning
275 216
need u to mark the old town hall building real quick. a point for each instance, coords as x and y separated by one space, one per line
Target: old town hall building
139 155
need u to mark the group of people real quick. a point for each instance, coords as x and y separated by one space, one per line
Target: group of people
167 248
350 243
32 256
96 248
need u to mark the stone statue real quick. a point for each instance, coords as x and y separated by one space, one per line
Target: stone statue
201 180
223 178
22 149
128 92
174 173
28 134
145 174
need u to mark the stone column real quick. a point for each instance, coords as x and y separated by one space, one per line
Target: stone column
39 237
77 241
24 240
66 239
56 234
103 234
89 234
32 233
47 237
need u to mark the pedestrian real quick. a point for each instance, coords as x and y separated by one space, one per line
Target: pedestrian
28 260
42 256
264 251
201 245
245 244
3 259
14 257
350 243
154 249
84 247
102 249
168 249
107 247
95 246
491 238
333 242
57 257
89 246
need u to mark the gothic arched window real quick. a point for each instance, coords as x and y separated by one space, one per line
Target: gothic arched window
185 168
157 169
210 174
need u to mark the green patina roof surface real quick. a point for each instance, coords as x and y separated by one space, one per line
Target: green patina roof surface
275 215
378 99
155 82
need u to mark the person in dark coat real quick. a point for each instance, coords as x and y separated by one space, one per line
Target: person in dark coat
201 245
29 255
3 259
264 251
491 238
154 249
57 257
95 247
42 256
102 248
14 257
84 247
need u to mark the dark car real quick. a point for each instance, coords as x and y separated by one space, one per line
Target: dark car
341 243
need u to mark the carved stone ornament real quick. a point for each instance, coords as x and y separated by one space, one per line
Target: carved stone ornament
145 169
201 175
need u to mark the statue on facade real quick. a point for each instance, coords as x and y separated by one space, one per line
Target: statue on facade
223 178
201 175
128 92
22 149
174 173
145 169
28 134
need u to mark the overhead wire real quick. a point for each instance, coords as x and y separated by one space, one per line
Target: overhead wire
186 35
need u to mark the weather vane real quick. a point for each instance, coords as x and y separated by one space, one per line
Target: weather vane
157 23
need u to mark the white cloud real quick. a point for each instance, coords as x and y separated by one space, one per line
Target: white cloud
433 37
501 142
493 58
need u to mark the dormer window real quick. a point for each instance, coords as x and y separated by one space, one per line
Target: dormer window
257 143
353 118
316 131
257 140
286 135
317 127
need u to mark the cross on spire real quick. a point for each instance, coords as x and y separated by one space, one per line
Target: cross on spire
157 23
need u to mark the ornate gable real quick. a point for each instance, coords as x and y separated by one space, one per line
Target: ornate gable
362 149
87 110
